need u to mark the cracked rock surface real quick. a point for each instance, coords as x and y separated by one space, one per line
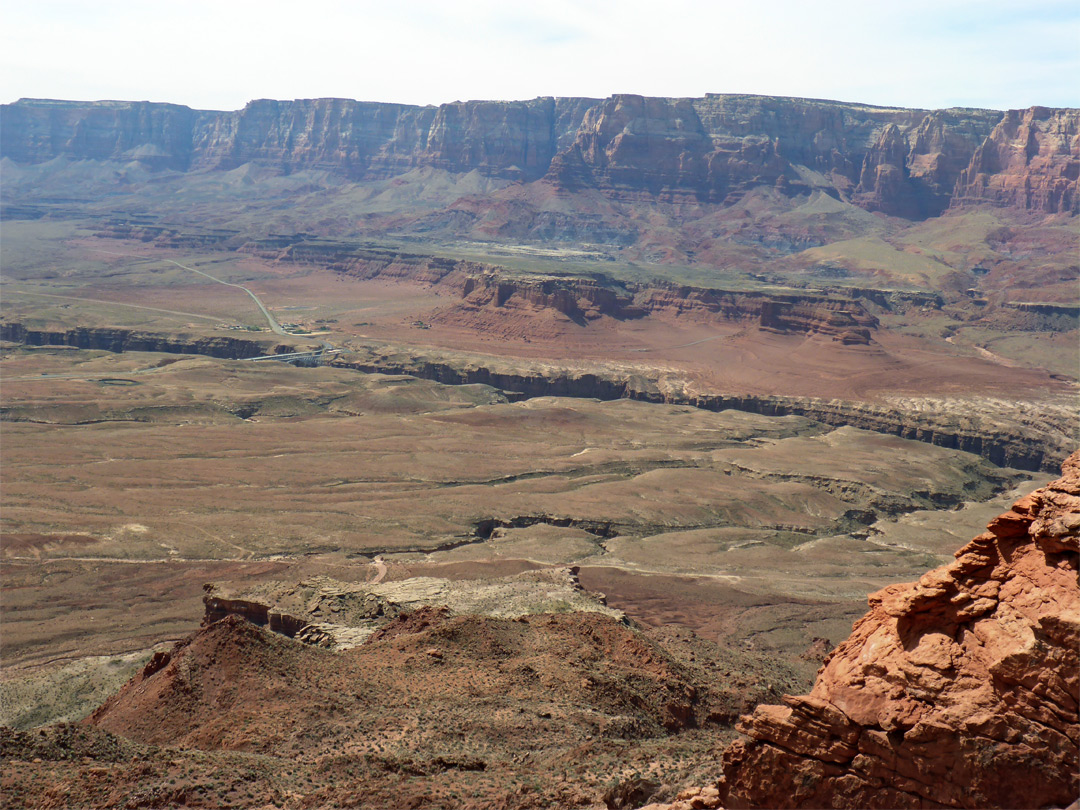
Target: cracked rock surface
959 690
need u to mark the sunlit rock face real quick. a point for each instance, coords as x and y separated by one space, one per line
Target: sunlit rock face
959 690
902 162
1031 160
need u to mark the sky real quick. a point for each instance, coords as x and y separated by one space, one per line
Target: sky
220 54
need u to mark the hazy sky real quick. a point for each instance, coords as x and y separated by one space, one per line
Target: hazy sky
219 54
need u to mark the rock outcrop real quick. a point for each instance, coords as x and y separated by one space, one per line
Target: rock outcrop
959 690
360 140
1031 160
715 149
905 162
341 615
583 300
911 172
480 286
132 340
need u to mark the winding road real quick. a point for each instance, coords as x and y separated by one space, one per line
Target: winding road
275 327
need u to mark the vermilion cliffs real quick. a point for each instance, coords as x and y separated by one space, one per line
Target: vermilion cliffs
911 163
509 452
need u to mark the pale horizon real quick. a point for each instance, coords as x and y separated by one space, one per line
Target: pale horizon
212 56
853 102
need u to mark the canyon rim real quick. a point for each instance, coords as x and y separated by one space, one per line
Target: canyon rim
539 454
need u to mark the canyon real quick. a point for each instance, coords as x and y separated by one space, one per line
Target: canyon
609 414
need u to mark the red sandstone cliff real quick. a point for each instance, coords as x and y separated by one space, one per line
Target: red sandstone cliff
1031 160
912 171
482 286
904 162
959 690
714 149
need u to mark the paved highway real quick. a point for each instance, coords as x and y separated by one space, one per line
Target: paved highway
275 327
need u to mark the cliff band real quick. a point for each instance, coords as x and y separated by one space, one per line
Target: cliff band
904 162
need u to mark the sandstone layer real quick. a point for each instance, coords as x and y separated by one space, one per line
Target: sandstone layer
130 340
905 162
959 690
840 315
1031 160
1031 438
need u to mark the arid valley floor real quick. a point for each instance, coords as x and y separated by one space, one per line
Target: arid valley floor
586 453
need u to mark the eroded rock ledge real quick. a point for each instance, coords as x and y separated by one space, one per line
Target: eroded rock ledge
959 690
340 615
132 340
1033 437
1036 439
840 314
912 163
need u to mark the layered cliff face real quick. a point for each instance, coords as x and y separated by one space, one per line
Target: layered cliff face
338 135
482 286
582 300
911 172
901 162
514 140
711 150
1031 160
629 145
959 690
159 135
129 340
360 140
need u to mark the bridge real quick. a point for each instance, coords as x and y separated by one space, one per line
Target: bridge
315 356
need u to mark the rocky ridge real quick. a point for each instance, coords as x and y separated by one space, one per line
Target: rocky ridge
432 709
341 615
905 162
959 690
481 286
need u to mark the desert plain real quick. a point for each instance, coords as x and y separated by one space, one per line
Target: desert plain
555 480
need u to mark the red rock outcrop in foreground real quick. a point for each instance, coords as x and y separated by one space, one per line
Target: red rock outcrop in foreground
959 690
